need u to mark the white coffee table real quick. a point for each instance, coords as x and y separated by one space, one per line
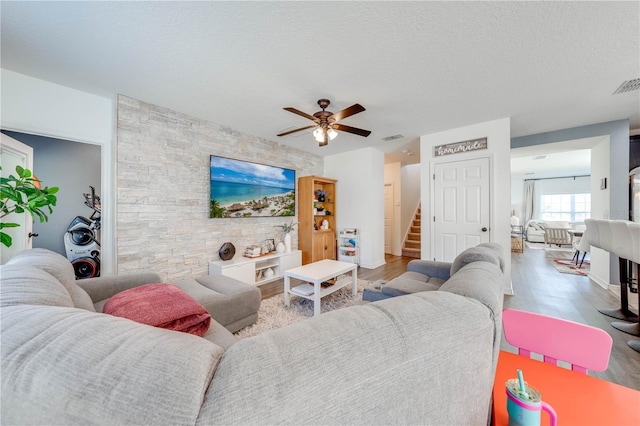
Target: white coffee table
316 273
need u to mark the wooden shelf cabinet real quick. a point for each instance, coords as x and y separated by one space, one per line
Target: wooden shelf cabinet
315 242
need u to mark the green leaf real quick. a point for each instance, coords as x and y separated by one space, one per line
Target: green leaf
5 239
41 216
19 209
8 225
19 170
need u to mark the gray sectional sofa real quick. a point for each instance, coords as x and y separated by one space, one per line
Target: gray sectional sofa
428 275
424 358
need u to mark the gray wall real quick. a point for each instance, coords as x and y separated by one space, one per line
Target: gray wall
72 167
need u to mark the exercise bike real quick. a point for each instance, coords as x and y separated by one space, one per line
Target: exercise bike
81 239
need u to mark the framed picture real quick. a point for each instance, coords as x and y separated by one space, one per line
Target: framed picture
271 243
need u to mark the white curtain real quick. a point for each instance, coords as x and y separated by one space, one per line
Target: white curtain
529 186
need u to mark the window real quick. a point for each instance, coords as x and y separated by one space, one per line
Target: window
567 207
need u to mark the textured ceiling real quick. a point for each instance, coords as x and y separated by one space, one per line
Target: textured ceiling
417 67
561 159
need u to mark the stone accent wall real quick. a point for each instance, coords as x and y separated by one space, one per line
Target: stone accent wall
162 190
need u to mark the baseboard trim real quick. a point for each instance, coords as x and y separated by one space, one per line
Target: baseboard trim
372 266
596 279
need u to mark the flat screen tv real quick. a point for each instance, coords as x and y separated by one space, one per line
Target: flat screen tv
245 189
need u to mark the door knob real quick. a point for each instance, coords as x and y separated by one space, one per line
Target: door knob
33 234
484 229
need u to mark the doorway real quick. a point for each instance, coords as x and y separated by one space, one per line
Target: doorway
461 210
71 166
388 218
12 154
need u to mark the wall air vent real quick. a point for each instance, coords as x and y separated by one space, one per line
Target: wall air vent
628 86
391 138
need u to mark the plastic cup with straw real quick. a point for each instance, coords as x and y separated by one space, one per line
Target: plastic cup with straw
522 392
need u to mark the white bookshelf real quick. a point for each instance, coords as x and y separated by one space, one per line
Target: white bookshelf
253 270
349 245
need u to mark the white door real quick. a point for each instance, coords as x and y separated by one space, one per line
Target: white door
12 154
461 207
388 218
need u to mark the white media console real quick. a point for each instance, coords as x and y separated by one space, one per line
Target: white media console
255 270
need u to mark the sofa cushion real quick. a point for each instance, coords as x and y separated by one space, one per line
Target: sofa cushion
58 266
497 249
411 282
28 285
474 254
230 302
220 336
71 366
160 305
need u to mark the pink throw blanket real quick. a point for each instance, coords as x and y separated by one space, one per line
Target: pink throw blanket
160 305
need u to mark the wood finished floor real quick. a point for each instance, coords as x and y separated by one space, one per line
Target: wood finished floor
538 287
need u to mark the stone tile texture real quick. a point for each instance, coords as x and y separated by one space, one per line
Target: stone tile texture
162 190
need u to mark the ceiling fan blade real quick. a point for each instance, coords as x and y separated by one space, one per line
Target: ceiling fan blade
353 109
303 114
350 129
325 138
296 130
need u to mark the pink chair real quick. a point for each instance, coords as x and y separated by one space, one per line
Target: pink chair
582 346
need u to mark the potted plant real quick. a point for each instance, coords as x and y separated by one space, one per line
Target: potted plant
287 228
21 194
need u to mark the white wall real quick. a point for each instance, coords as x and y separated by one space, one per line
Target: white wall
392 175
360 194
498 134
34 106
517 201
600 207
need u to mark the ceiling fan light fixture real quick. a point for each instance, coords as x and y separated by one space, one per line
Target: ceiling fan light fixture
326 124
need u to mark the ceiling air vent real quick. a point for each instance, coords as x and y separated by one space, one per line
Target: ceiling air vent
391 138
539 157
628 86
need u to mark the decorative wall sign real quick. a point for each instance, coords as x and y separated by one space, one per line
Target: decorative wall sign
458 147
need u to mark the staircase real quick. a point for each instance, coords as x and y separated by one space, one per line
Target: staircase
411 246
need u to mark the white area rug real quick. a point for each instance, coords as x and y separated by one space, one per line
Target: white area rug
273 314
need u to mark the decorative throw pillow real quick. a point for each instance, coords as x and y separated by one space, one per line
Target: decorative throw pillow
160 305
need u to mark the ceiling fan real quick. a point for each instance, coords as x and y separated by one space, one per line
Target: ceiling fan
326 122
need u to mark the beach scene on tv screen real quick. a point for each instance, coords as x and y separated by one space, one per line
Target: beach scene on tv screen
245 189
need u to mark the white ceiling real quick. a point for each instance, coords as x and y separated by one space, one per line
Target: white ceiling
417 67
561 159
